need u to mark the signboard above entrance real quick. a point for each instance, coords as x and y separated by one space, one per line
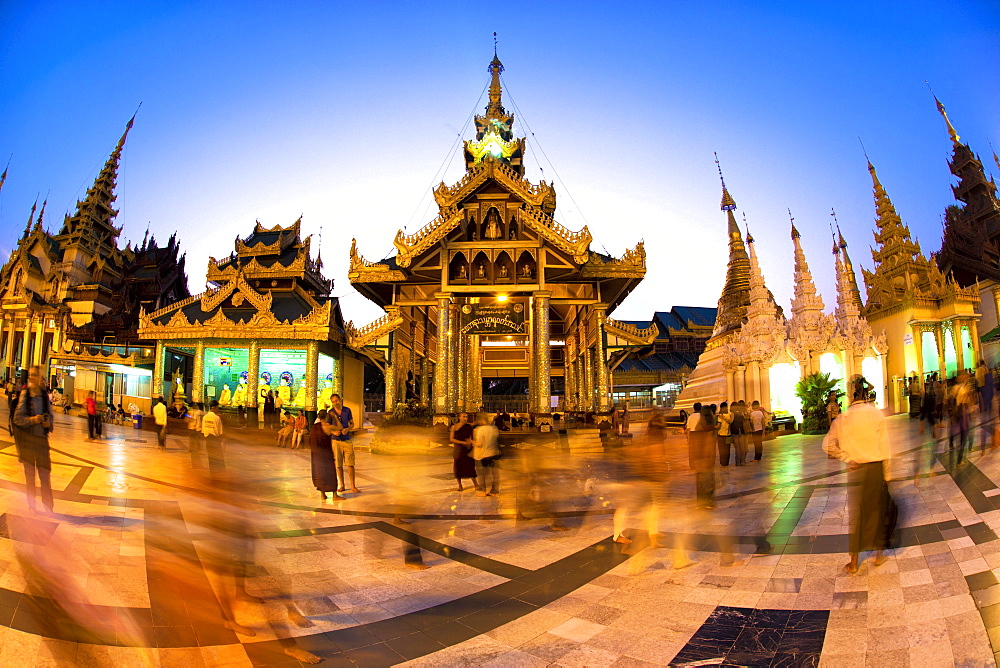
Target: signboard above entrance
492 319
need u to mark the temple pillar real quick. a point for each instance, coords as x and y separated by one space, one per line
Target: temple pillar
26 343
730 385
453 327
198 374
918 337
443 363
754 382
312 380
741 384
474 400
253 382
956 335
976 343
602 395
569 377
156 387
588 379
39 336
461 371
391 366
8 353
939 342
765 388
425 370
543 355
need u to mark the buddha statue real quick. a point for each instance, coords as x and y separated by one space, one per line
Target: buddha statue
240 395
300 396
226 397
284 391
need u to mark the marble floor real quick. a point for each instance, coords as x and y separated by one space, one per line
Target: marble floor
163 558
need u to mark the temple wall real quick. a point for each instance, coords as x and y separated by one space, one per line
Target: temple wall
354 386
989 293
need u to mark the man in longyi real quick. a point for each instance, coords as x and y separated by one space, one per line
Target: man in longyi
858 437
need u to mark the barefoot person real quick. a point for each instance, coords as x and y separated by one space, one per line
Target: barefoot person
858 437
342 419
33 423
324 468
461 437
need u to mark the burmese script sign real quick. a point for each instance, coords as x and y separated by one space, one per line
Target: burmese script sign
492 319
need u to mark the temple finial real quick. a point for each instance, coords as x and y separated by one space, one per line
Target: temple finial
995 158
791 219
3 177
494 43
31 219
728 203
495 107
955 139
833 214
41 213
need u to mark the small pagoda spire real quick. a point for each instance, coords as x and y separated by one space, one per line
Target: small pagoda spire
31 219
41 214
848 296
3 177
805 296
736 293
955 139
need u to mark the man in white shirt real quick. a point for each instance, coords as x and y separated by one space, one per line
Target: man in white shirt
859 438
758 419
194 426
693 419
160 416
486 452
213 431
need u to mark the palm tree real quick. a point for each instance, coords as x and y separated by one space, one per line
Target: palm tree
813 391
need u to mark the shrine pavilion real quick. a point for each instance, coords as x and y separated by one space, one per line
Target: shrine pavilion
495 288
267 323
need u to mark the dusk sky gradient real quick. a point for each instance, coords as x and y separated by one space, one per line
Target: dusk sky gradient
344 112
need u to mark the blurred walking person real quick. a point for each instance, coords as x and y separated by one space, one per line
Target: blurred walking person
724 438
758 421
33 423
486 452
961 405
461 437
93 419
160 416
738 426
859 438
701 456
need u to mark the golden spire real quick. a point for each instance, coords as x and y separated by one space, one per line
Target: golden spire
735 296
31 219
848 295
805 296
955 139
495 107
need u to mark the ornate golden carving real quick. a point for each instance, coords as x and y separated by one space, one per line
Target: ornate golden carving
641 337
408 246
373 331
211 300
575 243
540 195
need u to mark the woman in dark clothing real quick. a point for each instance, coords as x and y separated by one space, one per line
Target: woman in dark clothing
461 437
324 469
269 410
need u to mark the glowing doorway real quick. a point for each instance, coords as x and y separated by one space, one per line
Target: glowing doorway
783 378
871 369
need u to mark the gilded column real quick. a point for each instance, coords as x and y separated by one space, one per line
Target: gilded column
461 372
543 365
603 397
198 375
741 384
568 375
390 374
976 344
453 326
312 379
939 335
8 353
253 382
26 343
39 335
156 388
956 335
425 370
588 379
477 367
442 363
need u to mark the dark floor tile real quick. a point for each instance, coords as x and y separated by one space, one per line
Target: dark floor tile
450 633
773 619
352 637
388 629
694 653
724 614
414 645
720 633
983 580
175 636
374 655
802 642
269 654
10 599
991 615
785 660
981 533
744 658
758 640
807 620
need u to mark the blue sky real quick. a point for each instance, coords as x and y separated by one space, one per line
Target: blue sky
345 113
